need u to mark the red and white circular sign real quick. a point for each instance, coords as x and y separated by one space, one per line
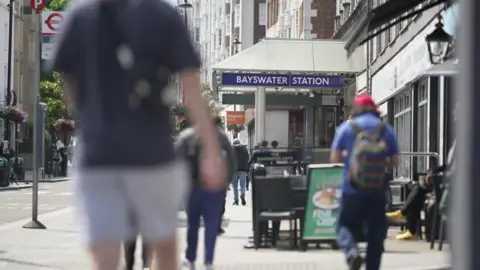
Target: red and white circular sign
38 5
53 21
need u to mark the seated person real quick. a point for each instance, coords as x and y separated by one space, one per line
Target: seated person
410 211
413 205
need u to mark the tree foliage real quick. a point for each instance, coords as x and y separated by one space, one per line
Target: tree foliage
57 5
52 94
181 122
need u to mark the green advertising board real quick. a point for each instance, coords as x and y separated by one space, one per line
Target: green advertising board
323 201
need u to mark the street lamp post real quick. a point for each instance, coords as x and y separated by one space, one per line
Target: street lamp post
185 5
236 43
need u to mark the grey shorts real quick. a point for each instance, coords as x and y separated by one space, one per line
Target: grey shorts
118 204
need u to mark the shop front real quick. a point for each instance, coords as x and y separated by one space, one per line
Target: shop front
415 103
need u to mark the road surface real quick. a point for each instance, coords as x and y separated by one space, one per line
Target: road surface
17 204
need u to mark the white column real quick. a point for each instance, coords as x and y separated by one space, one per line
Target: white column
255 140
260 114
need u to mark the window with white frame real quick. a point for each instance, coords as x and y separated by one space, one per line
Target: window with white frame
228 25
262 14
422 130
237 15
373 43
392 33
383 41
402 127
5 26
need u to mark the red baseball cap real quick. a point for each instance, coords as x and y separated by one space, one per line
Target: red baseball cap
365 101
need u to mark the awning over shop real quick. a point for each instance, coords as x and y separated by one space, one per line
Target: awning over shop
292 55
447 68
384 16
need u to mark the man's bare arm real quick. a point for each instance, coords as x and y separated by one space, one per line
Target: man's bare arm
336 156
197 108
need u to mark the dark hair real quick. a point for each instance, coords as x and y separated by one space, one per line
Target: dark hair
264 143
218 121
274 144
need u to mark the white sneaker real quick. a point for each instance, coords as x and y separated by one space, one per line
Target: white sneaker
186 264
208 267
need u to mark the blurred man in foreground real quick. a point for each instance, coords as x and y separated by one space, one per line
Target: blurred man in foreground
116 74
366 146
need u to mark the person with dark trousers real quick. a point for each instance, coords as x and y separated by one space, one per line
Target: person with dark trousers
410 212
415 201
362 207
129 248
240 176
203 203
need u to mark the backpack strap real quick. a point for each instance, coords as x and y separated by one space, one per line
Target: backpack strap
377 133
355 127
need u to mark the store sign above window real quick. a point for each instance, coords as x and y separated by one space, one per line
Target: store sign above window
282 80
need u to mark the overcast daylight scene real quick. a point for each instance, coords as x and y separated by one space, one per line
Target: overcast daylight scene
239 134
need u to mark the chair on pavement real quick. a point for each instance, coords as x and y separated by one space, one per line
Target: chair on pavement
274 200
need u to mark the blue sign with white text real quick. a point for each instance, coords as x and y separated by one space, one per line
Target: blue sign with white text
282 80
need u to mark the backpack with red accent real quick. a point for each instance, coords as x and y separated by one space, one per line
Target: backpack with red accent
368 159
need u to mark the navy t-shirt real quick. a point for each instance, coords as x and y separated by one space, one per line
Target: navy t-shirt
113 134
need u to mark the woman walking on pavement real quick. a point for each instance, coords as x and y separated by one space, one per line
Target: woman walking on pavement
203 203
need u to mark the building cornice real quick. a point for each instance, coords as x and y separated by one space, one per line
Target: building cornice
358 13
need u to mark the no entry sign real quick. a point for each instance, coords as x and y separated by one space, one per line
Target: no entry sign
38 5
51 22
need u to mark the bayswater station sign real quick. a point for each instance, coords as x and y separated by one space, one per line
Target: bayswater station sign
282 80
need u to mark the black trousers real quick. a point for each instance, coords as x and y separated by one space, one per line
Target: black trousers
413 206
129 248
222 213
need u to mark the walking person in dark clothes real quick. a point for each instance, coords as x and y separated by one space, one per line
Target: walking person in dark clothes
240 176
203 203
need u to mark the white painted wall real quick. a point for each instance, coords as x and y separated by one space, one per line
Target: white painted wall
276 127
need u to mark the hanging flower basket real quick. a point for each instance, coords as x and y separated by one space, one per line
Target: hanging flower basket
13 114
236 128
64 125
179 110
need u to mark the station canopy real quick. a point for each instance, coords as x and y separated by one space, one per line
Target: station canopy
288 63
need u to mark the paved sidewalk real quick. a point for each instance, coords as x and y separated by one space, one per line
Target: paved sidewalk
28 184
59 247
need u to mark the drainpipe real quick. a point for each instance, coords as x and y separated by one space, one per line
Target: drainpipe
8 94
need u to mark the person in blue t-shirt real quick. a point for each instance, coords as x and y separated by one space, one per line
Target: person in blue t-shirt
362 211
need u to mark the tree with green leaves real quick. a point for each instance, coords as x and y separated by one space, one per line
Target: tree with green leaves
51 92
181 122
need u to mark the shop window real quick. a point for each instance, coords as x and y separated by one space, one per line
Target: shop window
422 130
402 127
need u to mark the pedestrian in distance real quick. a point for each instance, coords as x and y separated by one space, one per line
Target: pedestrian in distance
116 75
203 203
240 176
129 248
367 147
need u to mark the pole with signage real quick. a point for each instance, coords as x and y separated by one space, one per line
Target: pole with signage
38 6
